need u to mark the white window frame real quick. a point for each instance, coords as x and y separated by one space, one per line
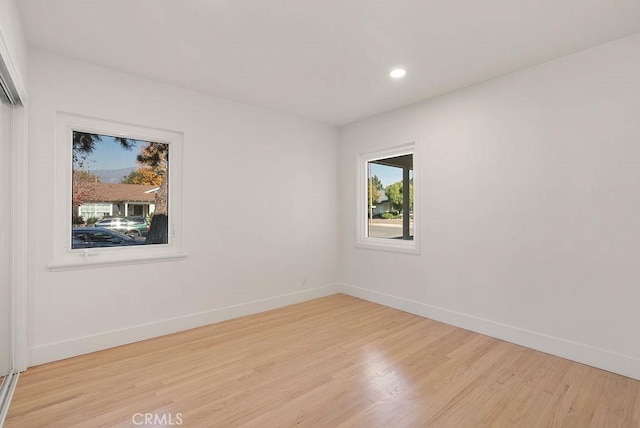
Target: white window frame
386 244
66 258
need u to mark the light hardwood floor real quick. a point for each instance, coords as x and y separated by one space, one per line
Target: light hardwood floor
334 361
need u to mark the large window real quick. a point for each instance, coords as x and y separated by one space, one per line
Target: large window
120 184
117 198
387 200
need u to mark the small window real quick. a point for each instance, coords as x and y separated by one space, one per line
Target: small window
387 205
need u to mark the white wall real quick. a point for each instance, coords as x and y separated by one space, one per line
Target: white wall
530 193
259 213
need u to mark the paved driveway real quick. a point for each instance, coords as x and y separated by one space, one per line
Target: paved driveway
387 230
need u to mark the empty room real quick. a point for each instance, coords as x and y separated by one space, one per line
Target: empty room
344 213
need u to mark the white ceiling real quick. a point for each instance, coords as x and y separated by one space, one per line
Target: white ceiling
326 60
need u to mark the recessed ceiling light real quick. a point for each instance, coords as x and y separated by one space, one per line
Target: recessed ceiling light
397 73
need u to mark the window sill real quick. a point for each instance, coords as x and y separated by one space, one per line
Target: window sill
90 260
398 246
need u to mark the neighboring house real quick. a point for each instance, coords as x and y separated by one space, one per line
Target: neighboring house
383 205
119 199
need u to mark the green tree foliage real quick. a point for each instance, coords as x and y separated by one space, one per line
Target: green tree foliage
395 194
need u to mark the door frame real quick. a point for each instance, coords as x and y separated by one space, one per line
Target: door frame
14 86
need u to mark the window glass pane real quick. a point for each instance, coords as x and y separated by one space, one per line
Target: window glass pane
120 191
390 211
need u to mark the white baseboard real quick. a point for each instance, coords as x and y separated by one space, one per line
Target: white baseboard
581 353
87 344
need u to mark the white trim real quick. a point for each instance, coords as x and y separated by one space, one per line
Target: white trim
6 237
397 245
601 358
20 229
64 258
88 262
83 345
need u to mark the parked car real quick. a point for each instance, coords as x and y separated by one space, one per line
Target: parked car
131 226
96 237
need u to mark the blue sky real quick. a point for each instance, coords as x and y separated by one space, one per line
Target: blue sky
110 155
387 174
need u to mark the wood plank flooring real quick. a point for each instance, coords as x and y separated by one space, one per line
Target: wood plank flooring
332 362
